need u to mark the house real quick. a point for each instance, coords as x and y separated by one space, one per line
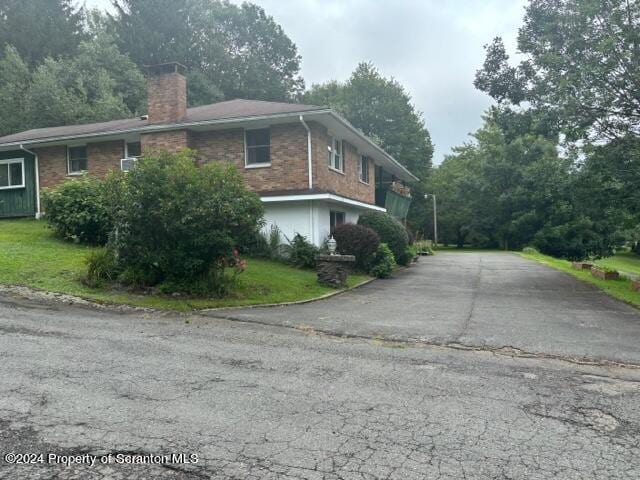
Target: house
312 169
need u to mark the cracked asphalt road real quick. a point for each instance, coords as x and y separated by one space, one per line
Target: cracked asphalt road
262 401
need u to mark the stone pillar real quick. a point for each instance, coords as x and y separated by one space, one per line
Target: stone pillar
334 269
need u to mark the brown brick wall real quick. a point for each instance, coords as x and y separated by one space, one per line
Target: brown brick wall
52 162
171 141
167 97
101 158
288 170
347 183
104 156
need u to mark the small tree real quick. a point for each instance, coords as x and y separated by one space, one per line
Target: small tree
177 223
390 231
357 240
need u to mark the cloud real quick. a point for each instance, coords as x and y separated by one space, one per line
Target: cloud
432 47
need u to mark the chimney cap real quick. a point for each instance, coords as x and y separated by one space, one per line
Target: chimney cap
164 68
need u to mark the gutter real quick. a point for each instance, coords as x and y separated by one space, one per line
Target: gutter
310 165
157 128
37 175
309 153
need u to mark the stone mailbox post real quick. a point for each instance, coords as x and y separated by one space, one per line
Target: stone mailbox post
334 269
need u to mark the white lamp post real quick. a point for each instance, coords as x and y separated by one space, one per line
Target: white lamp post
435 218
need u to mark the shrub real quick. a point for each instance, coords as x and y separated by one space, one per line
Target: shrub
383 262
300 253
177 223
357 240
424 246
529 250
76 211
390 231
101 267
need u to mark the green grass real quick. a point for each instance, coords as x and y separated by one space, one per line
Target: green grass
32 256
622 261
620 289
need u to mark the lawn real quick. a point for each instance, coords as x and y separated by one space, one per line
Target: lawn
620 289
32 256
622 261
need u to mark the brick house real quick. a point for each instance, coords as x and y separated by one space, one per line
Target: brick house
311 168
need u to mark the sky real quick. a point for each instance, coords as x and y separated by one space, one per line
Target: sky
432 47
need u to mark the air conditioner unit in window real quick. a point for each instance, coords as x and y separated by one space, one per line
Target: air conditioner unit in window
127 164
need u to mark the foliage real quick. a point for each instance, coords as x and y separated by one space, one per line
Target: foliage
301 253
510 188
424 247
581 59
40 29
41 260
233 50
530 250
357 240
384 262
102 267
97 84
382 109
178 223
389 230
75 210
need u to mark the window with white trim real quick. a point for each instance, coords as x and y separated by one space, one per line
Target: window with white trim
363 169
132 150
257 147
11 173
77 159
336 155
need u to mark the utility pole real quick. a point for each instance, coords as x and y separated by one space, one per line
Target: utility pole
435 218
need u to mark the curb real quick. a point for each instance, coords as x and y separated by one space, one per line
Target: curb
284 304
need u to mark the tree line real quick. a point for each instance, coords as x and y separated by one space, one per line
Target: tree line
556 164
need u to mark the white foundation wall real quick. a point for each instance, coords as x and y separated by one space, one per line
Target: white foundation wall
309 218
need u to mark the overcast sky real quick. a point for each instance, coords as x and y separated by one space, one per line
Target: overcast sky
432 47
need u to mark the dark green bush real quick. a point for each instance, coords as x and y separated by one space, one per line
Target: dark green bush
383 262
177 224
300 253
357 240
76 211
390 231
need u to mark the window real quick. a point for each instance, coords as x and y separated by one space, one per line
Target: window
132 150
11 173
77 158
363 169
257 147
336 157
335 219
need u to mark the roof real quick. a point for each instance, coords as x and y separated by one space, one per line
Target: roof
200 117
231 109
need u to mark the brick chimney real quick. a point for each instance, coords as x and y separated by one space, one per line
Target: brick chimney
166 92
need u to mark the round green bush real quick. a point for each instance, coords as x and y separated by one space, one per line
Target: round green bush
357 240
76 211
176 224
383 262
390 231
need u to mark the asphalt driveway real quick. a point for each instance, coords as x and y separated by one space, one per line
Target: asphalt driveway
485 299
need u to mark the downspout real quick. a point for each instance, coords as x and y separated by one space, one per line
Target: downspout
37 171
310 173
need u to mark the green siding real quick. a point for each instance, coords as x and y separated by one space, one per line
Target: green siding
20 202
